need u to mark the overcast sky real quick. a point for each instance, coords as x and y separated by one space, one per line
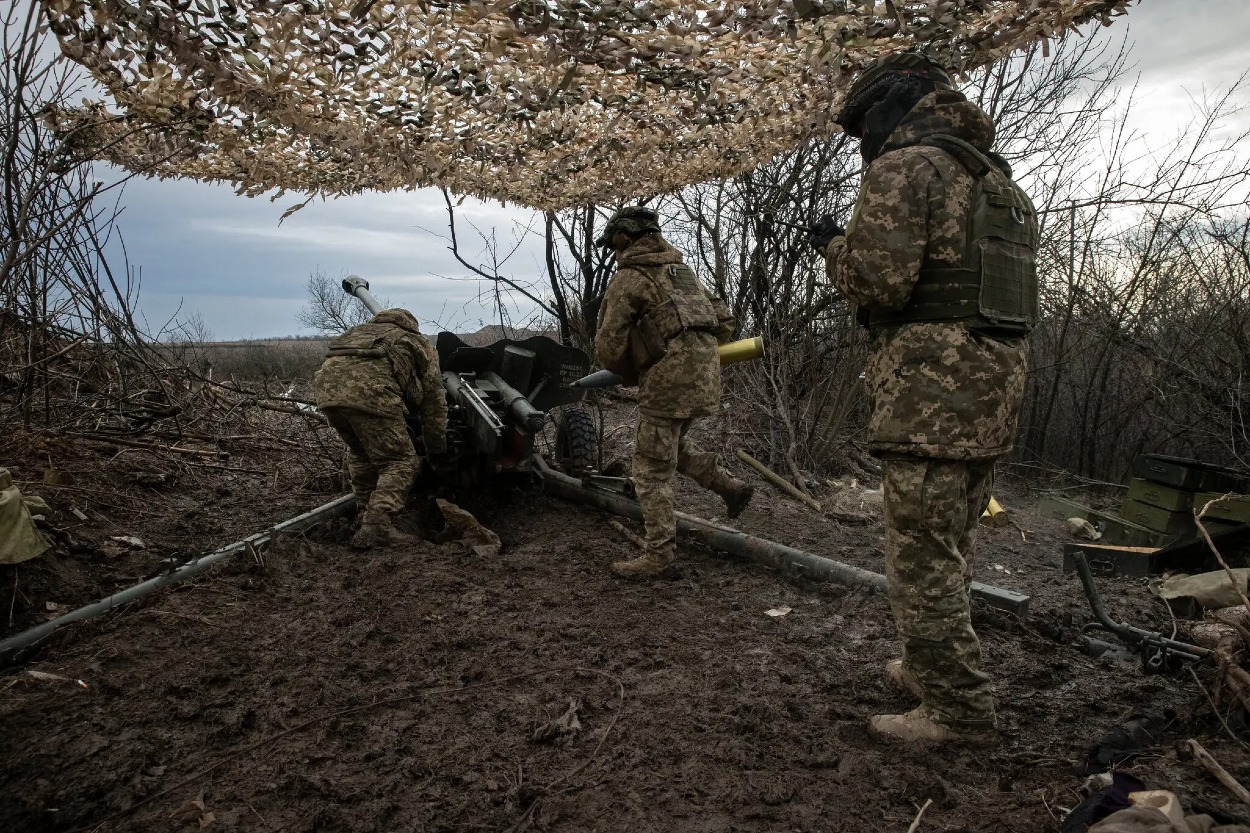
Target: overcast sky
200 249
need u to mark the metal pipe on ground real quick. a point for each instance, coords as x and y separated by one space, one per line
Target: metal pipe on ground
761 550
12 647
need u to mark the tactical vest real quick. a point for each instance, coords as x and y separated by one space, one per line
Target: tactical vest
686 307
995 288
370 341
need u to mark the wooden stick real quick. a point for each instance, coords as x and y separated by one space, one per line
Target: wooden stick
1221 774
777 480
195 452
629 536
915 825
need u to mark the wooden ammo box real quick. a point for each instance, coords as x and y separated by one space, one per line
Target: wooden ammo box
1170 523
1116 531
1190 475
1109 560
1156 494
1236 509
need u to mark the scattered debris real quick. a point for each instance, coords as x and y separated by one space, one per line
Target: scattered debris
778 611
463 527
194 812
565 724
129 540
1083 528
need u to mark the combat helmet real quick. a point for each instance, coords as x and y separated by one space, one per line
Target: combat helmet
633 220
885 92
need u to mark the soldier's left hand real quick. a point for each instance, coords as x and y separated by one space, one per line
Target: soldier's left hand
821 232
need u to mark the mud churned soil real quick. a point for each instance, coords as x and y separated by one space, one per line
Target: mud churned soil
427 689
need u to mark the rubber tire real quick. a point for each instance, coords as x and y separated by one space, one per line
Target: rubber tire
577 439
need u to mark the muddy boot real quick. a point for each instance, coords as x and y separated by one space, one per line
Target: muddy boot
919 727
378 530
736 494
897 675
370 534
648 565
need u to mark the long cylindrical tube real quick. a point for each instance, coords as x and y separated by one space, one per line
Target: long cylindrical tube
743 350
14 644
359 287
524 415
763 551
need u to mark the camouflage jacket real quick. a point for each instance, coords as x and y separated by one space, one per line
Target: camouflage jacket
387 368
686 382
937 389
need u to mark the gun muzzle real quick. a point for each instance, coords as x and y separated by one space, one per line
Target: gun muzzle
359 287
745 350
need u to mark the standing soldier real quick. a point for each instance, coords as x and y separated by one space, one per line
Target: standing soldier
939 256
375 375
659 328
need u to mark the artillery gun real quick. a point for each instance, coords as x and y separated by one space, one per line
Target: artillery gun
499 397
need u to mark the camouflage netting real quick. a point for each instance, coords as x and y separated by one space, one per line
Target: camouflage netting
546 103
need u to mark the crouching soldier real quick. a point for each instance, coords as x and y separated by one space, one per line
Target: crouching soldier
659 328
375 375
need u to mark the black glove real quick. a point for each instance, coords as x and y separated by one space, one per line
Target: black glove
821 232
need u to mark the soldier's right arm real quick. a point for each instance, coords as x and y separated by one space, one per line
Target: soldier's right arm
433 402
878 262
622 304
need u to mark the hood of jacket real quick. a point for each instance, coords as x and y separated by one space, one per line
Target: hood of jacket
401 318
649 250
943 111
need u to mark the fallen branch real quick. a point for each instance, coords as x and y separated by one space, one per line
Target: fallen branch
195 452
627 535
1218 557
915 825
1221 774
777 480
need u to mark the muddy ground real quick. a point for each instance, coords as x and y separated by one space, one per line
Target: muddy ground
429 689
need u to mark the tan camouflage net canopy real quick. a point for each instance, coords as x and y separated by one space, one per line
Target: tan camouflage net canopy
545 103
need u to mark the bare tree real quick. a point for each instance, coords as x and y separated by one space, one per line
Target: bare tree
58 291
329 309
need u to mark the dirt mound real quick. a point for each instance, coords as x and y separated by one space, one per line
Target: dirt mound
330 690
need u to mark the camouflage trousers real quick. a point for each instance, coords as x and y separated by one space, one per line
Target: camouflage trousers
381 460
662 447
932 508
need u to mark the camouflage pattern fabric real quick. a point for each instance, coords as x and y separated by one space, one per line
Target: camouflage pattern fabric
937 389
380 459
661 447
686 382
945 399
395 371
932 508
383 370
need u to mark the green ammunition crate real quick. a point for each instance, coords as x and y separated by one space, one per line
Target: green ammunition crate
1235 509
1157 494
1160 520
1183 473
1115 530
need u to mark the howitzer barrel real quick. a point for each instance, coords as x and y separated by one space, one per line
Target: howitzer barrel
359 287
743 350
523 414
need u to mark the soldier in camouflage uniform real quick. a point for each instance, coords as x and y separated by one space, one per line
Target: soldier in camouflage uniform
939 256
659 328
376 374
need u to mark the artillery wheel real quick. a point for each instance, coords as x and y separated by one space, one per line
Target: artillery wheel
577 440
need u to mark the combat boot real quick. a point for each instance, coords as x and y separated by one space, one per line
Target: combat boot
736 496
648 565
918 727
899 676
380 534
